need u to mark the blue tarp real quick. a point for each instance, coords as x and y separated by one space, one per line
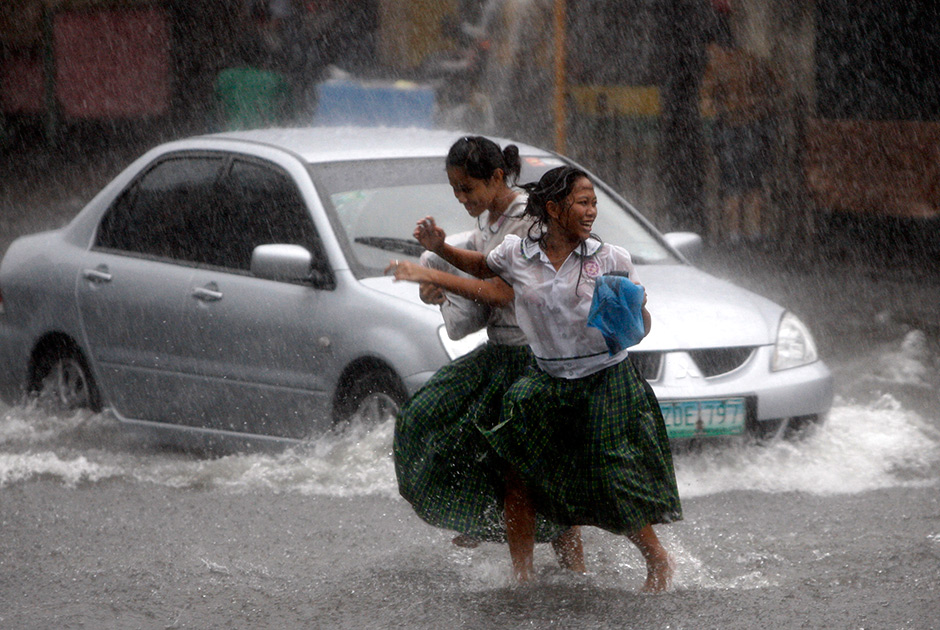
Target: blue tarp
372 104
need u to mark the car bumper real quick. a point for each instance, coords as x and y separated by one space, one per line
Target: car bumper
801 391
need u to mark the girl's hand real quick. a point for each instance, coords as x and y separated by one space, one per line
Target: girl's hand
431 293
429 235
406 270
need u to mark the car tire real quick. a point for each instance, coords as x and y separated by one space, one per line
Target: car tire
370 399
801 427
62 378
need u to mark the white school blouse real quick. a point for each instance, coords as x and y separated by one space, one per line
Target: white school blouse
552 307
463 315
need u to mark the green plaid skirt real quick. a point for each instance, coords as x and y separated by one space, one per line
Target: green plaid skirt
445 467
592 451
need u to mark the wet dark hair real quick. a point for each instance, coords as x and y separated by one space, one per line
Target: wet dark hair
480 157
555 185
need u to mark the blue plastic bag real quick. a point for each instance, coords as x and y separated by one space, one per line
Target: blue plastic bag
617 311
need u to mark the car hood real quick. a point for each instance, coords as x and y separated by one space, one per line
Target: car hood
689 309
407 291
692 309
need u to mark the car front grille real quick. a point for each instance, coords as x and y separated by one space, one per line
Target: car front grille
716 361
710 362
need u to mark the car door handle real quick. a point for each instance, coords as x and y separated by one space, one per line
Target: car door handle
208 293
98 275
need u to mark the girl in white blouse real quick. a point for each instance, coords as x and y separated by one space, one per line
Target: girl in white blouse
583 433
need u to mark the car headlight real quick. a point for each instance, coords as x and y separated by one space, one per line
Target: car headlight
795 345
459 347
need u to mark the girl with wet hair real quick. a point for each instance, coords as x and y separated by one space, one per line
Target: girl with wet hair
582 433
445 467
558 187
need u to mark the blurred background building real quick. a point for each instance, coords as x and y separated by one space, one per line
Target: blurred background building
615 83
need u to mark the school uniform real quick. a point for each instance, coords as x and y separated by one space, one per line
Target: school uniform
445 468
583 429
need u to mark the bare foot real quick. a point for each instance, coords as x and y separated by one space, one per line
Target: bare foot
659 572
570 551
466 541
659 565
524 573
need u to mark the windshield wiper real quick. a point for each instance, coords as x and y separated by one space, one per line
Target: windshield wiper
401 245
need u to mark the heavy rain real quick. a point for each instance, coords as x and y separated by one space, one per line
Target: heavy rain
837 525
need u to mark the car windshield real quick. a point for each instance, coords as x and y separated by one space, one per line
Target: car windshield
375 204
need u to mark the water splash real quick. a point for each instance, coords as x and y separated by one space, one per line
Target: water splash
861 448
19 467
909 364
355 463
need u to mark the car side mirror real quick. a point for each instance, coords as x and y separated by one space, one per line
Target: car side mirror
689 244
281 262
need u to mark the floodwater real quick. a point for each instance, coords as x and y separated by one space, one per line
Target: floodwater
862 447
104 529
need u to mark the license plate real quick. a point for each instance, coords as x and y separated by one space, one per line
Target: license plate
696 418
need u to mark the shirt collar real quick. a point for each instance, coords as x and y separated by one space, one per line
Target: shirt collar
531 249
516 210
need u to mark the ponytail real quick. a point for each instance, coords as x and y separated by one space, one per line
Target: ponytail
480 157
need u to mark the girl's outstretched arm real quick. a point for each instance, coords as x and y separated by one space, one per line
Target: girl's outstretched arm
432 238
493 291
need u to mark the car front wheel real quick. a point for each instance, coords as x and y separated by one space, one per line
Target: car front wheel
371 399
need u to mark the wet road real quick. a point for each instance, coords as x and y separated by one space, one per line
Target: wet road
841 530
101 529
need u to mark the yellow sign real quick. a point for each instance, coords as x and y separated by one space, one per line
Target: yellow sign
619 100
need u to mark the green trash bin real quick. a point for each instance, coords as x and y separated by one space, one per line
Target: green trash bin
251 97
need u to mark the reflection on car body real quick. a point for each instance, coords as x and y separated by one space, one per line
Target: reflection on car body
233 284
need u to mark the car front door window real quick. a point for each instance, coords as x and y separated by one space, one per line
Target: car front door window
257 205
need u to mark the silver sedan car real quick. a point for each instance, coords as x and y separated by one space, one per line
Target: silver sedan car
232 285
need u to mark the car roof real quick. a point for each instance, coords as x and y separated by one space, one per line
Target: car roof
333 144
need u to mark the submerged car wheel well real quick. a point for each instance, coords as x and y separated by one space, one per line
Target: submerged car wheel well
58 351
362 378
